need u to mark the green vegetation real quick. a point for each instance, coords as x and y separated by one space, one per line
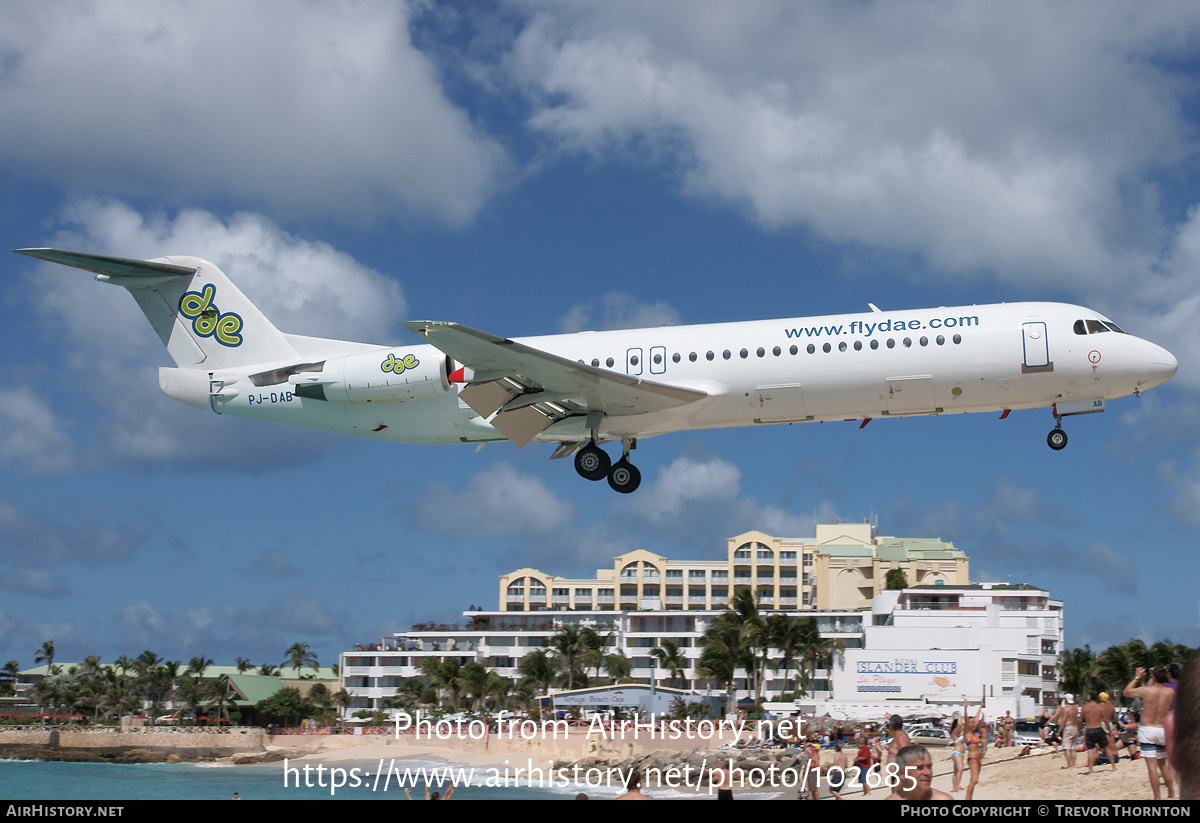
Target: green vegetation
1080 671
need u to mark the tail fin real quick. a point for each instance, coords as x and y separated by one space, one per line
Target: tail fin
202 318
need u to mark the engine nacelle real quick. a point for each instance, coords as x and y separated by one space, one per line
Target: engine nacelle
385 375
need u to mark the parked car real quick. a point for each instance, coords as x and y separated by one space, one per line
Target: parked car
1026 733
930 736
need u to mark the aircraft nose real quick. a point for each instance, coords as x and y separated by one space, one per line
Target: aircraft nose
1163 365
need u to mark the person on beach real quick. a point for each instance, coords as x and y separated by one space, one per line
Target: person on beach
916 776
1152 740
633 787
863 762
836 776
899 739
723 781
974 744
1182 727
1067 718
958 756
431 795
1097 714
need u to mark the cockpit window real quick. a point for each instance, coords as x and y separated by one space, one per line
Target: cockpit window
1095 327
1115 327
1080 328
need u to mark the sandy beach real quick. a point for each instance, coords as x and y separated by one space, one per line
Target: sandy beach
1005 776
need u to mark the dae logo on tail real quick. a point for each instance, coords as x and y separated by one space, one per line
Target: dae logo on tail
207 321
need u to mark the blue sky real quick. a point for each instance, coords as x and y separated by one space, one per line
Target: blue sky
535 167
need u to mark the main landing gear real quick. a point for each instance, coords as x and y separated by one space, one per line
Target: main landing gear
593 463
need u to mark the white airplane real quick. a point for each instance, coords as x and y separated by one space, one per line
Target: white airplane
581 390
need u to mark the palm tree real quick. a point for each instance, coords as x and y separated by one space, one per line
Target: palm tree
1077 671
788 636
817 651
343 700
570 646
320 696
45 654
539 668
299 655
618 666
266 669
671 659
197 666
243 665
11 670
723 650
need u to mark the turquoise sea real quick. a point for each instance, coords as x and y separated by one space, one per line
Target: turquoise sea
37 780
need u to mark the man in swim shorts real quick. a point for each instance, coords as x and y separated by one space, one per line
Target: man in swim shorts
1156 702
1067 718
1096 714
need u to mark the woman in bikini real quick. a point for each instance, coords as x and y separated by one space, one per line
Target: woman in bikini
974 745
959 753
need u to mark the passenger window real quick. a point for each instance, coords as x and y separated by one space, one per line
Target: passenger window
811 348
726 354
658 359
826 348
957 339
595 362
924 341
941 341
609 362
858 345
891 343
794 350
908 342
874 344
633 361
709 355
744 354
692 357
842 346
675 357
762 352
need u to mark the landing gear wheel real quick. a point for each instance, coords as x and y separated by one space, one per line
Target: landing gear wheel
624 477
1057 439
592 463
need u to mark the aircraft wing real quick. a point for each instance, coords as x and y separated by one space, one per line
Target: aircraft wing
529 389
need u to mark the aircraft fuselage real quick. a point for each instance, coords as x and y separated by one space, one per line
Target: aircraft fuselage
838 367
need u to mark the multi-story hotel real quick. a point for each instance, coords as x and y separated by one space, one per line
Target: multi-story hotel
843 567
837 577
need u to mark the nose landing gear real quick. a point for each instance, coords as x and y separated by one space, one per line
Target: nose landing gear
1057 439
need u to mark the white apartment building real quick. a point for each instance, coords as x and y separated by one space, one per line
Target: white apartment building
1002 640
934 645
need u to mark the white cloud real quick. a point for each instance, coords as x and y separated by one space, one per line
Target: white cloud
31 435
617 310
311 108
142 624
497 502
1013 140
697 502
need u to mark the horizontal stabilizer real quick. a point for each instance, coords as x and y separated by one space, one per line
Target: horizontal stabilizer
111 266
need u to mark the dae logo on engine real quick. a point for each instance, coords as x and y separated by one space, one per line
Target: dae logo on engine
399 366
